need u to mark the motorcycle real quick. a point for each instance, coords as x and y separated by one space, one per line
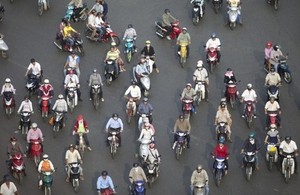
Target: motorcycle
233 16
8 103
212 58
2 10
273 91
152 171
274 3
32 84
217 5
108 36
82 145
107 191
35 151
219 170
288 167
139 188
162 32
187 107
129 50
113 142
198 11
271 155
249 161
284 71
249 113
72 98
180 144
199 189
3 47
272 118
144 82
149 63
42 6
25 123
144 147
130 112
45 107
96 95
17 167
111 71
58 123
183 54
70 13
232 94
74 175
76 47
222 131
200 91
46 182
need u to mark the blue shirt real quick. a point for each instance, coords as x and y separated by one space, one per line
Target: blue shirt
115 124
105 183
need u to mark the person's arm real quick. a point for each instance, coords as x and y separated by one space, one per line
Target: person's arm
125 34
98 184
40 166
108 124
127 91
67 157
188 125
71 2
51 166
141 134
121 124
40 134
144 175
99 79
111 184
193 178
175 126
131 176
79 159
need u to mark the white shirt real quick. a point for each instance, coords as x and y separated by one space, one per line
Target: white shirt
4 190
201 75
72 157
98 7
73 62
275 56
129 33
36 68
249 95
91 19
74 78
134 91
146 134
26 106
272 107
141 68
213 43
60 105
8 88
288 148
99 22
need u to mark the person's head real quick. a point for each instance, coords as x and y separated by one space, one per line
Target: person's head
199 168
32 61
26 98
152 145
148 43
272 99
229 70
276 47
167 11
6 178
79 117
147 125
145 100
7 81
99 14
251 136
71 72
213 35
46 81
45 157
288 139
113 45
189 86
273 127
104 174
130 26
184 30
249 86
142 60
181 117
60 96
71 147
34 126
222 106
69 23
115 116
133 83
221 140
93 12
200 64
95 70
272 70
269 45
135 165
13 140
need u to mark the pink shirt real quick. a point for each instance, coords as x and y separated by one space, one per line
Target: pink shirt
268 52
34 134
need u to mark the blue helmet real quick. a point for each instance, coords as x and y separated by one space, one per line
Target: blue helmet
222 140
213 35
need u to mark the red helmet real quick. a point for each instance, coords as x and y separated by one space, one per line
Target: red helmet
79 117
152 145
269 44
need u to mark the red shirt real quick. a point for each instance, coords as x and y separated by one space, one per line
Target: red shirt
220 152
77 124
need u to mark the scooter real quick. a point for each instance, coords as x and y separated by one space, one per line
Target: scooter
25 123
288 167
129 50
273 91
180 144
32 84
232 93
152 168
271 155
144 81
222 131
35 151
8 103
249 113
42 6
2 10
274 3
96 95
58 123
198 11
17 167
183 54
143 150
284 71
187 108
72 98
217 5
45 107
249 161
77 47
3 47
212 58
149 63
46 182
111 71
113 142
199 189
272 118
233 16
200 91
219 170
139 188
74 175
108 36
70 13
162 32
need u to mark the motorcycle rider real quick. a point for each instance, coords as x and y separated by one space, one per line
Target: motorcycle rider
183 125
236 4
184 38
167 20
97 7
136 174
71 80
114 54
8 90
288 147
221 151
103 182
199 177
201 75
45 90
251 144
134 91
72 156
272 78
130 33
272 106
91 24
268 50
249 95
148 50
77 8
188 93
81 126
224 116
141 69
114 124
26 106
145 108
67 34
35 69
215 43
276 55
61 105
229 77
45 166
8 187
72 62
153 154
34 133
147 132
95 79
105 8
199 3
14 147
100 24
273 136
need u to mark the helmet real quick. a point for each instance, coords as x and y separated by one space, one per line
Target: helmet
213 35
71 72
104 173
148 42
113 44
181 116
13 139
223 105
71 146
229 69
79 117
145 99
147 124
199 64
269 44
221 140
249 86
34 125
7 80
189 84
167 11
32 60
60 96
135 164
115 115
251 135
273 126
276 47
152 145
184 28
272 69
199 167
45 156
133 83
272 98
288 138
95 70
130 26
46 81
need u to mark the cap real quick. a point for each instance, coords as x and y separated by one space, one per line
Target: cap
7 80
148 42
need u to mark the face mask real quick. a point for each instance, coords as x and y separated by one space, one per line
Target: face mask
13 143
115 118
252 141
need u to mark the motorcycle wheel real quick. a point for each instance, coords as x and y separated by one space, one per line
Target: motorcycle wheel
182 62
218 178
287 175
11 1
108 81
96 102
275 5
4 54
216 8
248 173
81 150
146 93
270 164
232 102
40 9
287 77
24 130
129 56
249 121
55 130
113 150
20 178
47 191
36 160
178 152
8 112
211 67
115 39
195 20
128 119
150 181
75 185
80 50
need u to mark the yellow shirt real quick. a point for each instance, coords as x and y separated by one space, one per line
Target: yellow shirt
67 31
81 128
113 55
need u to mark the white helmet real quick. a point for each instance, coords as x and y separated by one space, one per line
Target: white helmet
200 64
60 96
249 86
46 81
7 80
45 156
34 125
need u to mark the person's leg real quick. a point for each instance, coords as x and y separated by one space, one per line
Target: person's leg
86 140
188 139
79 94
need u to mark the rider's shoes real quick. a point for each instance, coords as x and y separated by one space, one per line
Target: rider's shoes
68 179
102 99
89 148
81 178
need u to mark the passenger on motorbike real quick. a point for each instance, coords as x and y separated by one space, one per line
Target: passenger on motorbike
268 50
45 90
167 20
95 79
229 77
97 7
272 106
236 4
61 105
273 136
130 33
45 166
72 156
100 24
114 54
103 182
182 125
141 69
14 147
147 133
153 154
272 78
35 69
221 151
71 80
145 108
59 34
105 9
288 147
276 55
136 174
114 124
67 34
77 8
131 104
26 106
251 144
215 43
8 90
133 91
72 62
81 126
34 133
224 116
91 24
188 93
199 177
201 75
184 39
148 50
249 95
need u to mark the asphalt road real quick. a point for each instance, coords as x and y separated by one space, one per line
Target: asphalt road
30 36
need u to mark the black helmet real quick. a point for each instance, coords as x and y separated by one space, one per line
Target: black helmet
276 47
104 173
71 146
13 139
130 26
229 69
181 116
288 138
133 83
272 69
135 164
167 11
115 115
